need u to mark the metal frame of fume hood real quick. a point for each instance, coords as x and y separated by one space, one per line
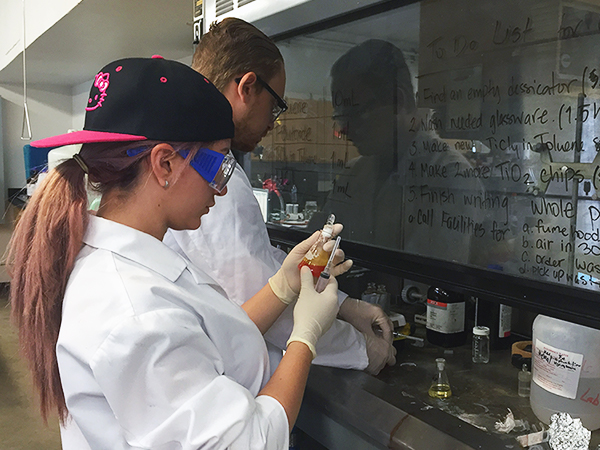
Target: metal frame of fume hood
342 19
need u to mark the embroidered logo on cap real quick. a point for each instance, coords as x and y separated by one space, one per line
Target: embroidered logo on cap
139 99
98 93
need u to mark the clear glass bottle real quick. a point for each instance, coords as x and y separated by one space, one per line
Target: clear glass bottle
481 345
369 294
524 382
316 258
440 386
497 317
383 298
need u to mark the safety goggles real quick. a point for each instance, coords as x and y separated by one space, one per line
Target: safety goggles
214 167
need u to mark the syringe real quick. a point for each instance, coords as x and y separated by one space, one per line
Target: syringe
324 277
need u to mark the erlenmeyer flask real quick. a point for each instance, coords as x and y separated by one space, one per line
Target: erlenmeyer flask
440 386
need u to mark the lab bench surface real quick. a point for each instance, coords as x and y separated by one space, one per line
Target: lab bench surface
352 410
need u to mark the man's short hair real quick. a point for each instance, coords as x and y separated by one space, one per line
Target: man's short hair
234 47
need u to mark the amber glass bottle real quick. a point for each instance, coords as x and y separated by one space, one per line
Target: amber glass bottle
445 317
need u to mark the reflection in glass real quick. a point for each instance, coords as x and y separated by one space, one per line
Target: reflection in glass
459 130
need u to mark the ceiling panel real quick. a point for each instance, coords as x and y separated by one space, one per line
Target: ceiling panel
96 32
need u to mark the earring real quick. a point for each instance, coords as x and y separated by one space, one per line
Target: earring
166 184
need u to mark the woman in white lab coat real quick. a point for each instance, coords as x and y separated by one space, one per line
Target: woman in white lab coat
128 342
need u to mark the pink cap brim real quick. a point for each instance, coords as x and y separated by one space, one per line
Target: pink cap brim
84 137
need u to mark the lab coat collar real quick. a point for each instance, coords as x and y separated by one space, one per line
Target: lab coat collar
139 247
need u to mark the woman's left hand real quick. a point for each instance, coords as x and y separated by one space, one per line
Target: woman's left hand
377 328
286 282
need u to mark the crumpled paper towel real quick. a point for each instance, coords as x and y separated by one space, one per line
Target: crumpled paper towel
509 423
566 433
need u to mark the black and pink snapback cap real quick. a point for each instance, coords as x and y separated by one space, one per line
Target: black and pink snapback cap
154 98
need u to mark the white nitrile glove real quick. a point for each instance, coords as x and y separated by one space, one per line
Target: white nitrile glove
314 312
339 266
380 352
377 328
286 282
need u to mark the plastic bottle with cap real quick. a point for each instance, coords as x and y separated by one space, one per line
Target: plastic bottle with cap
316 258
565 371
481 345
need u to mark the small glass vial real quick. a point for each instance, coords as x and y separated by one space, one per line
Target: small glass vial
383 297
524 382
369 294
440 386
316 258
481 345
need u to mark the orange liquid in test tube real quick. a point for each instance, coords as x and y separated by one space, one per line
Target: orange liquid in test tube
317 263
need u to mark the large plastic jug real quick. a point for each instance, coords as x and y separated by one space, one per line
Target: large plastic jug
566 371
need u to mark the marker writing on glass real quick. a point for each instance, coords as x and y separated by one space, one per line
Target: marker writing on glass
324 277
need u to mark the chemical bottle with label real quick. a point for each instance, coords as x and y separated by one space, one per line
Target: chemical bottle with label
497 317
566 371
316 258
445 317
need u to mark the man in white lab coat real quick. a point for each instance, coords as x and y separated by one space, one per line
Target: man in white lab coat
232 244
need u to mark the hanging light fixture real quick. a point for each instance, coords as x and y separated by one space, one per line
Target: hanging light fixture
26 129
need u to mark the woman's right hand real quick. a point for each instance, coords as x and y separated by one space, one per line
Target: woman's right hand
314 312
286 282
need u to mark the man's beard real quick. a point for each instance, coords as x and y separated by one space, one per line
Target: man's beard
241 146
242 136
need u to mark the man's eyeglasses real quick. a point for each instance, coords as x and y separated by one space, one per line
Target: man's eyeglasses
280 105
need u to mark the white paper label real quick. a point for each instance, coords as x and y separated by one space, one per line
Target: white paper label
504 321
445 317
556 370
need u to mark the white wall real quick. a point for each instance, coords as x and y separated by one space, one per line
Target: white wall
79 99
49 108
39 16
50 112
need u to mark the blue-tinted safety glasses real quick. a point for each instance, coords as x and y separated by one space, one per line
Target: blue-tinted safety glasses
214 167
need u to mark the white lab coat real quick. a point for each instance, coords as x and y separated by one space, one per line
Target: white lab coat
232 245
152 355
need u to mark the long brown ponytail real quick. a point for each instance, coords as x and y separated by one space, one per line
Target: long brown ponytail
45 243
42 252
